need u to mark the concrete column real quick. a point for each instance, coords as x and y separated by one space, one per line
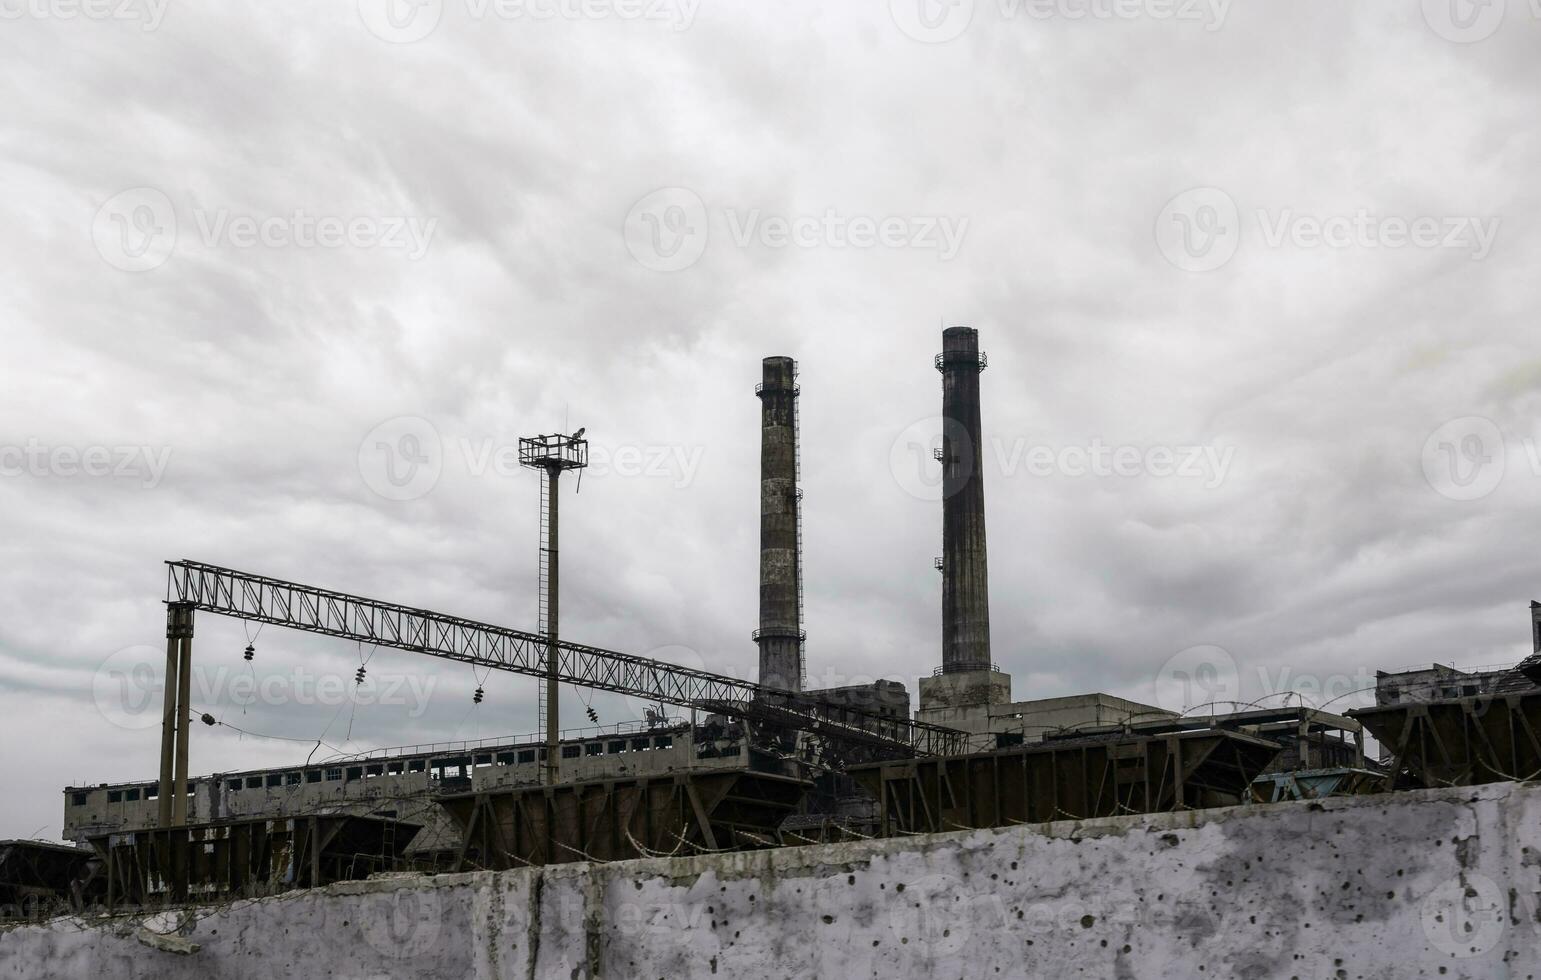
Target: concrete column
779 636
179 633
965 577
169 718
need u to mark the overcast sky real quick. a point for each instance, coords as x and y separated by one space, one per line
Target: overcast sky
1258 286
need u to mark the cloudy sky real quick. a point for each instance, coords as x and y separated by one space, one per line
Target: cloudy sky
281 284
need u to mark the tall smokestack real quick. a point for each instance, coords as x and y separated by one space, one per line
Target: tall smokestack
780 634
965 579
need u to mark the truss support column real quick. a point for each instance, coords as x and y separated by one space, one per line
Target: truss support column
553 728
177 715
169 718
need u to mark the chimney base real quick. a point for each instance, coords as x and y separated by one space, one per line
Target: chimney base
963 689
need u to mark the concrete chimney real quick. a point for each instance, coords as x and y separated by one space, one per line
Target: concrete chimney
780 636
965 578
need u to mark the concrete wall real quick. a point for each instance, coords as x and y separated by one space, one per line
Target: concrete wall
963 701
1433 883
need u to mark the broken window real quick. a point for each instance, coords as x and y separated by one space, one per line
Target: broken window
78 799
132 796
663 742
115 796
313 775
394 769
416 765
355 772
619 746
253 782
275 779
526 755
571 751
292 779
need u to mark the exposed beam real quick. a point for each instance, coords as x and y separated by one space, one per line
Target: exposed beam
259 599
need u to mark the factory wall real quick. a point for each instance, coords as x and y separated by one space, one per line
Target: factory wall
1431 883
400 786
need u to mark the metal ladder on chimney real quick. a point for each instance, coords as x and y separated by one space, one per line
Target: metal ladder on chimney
797 502
542 577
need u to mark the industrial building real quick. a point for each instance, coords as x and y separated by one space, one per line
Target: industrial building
742 765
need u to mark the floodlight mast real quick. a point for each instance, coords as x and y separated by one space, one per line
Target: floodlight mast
551 454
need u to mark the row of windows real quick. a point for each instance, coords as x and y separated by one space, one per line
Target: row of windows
453 767
441 768
131 795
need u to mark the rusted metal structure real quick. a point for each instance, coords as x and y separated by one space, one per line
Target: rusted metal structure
39 879
619 819
259 599
1315 784
246 858
1459 741
1072 780
1309 737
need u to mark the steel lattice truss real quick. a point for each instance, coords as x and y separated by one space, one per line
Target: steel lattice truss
258 599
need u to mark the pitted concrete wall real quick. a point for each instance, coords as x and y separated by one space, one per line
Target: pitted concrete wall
1437 883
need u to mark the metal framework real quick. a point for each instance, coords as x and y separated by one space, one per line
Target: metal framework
259 599
553 455
620 819
247 858
1065 781
39 880
1459 741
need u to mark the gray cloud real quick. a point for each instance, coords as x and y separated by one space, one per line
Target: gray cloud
1324 550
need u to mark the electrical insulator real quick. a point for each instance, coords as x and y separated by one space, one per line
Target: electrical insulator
358 676
477 697
207 718
251 651
593 715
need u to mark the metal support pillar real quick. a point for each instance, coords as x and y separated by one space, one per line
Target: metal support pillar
177 715
553 727
169 719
